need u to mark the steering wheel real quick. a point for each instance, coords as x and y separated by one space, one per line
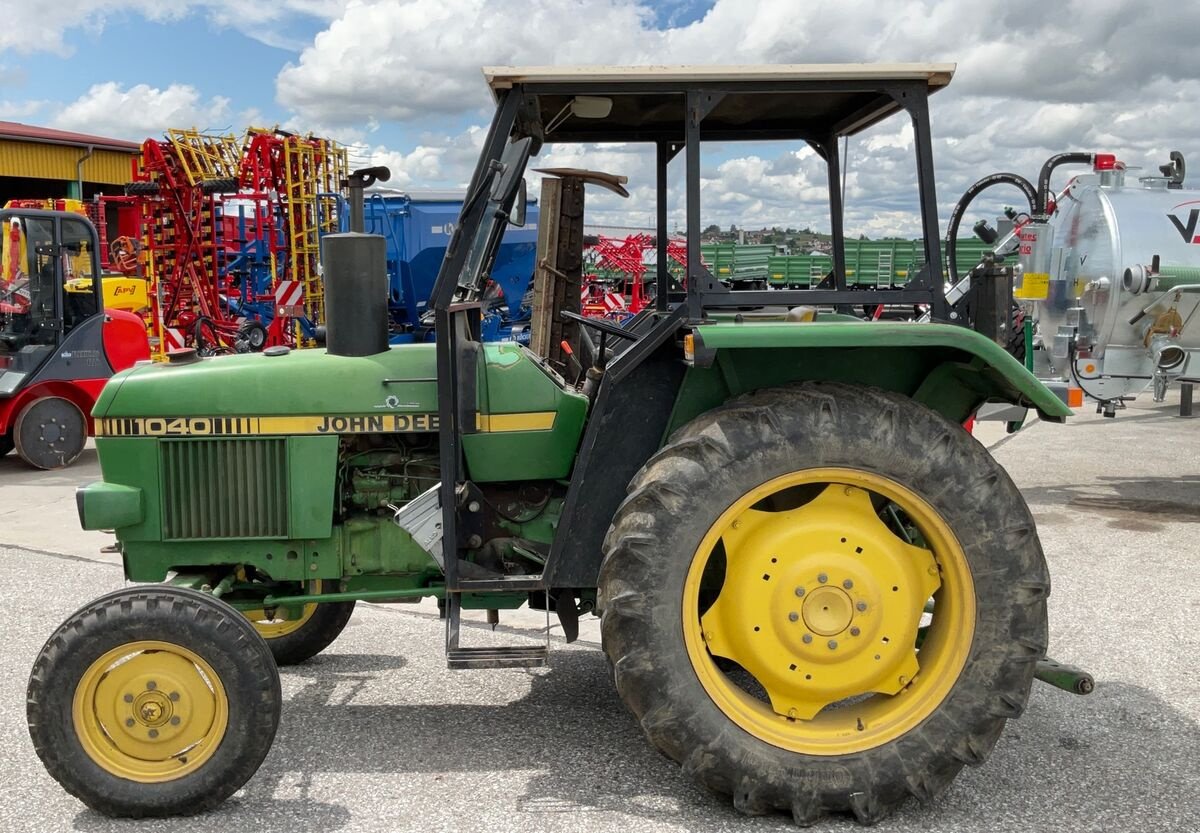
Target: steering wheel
600 324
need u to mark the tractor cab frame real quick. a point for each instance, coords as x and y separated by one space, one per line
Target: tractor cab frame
636 397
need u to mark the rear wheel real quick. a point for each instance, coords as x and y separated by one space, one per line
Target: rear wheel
50 433
153 701
848 600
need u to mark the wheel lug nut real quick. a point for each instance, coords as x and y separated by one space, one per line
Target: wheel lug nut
847 584
154 733
150 686
129 721
855 631
175 720
128 698
174 696
833 644
822 578
793 616
799 591
807 638
861 605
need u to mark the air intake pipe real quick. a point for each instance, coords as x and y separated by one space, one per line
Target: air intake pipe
356 294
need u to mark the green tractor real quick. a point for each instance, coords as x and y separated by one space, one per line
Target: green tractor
818 593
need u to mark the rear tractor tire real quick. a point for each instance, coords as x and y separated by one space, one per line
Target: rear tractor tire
153 701
823 598
297 636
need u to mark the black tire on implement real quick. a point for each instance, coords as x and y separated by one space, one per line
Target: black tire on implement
141 189
1016 334
212 630
722 455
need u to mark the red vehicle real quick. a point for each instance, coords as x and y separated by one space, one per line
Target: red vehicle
58 345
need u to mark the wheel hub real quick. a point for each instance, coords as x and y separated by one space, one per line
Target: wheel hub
51 432
828 611
820 603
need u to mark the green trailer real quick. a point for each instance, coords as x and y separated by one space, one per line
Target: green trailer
818 593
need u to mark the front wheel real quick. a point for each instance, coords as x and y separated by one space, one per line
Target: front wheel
298 634
823 598
153 701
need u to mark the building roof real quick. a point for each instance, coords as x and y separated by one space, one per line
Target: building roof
46 135
814 102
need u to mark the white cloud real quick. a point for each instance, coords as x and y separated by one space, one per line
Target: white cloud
139 111
445 162
19 110
1113 75
34 27
1106 75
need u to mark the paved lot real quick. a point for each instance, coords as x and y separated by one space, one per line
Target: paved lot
377 736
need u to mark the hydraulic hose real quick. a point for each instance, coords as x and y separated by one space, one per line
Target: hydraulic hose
1043 190
961 208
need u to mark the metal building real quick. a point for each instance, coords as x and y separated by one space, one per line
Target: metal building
38 162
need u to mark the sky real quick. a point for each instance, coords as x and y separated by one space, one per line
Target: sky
399 81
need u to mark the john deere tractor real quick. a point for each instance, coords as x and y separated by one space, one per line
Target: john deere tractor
818 593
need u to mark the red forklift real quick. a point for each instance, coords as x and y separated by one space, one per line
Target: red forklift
58 345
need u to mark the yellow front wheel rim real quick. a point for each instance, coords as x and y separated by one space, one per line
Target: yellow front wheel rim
150 711
282 620
819 600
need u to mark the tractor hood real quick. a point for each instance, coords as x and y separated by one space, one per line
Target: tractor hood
401 380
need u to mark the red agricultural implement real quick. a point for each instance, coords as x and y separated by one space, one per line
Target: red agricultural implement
231 231
615 285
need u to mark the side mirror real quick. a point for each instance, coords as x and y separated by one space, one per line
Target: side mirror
508 189
516 217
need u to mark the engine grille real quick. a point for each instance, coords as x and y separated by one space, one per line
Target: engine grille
219 488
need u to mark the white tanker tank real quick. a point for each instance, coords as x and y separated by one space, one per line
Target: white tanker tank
1110 270
1117 308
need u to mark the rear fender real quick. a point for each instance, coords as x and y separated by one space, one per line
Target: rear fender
951 369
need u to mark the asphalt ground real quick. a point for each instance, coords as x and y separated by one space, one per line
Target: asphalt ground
377 735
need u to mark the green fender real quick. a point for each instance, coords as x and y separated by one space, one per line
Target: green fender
948 368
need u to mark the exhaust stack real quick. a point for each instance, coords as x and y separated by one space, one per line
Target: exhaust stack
356 294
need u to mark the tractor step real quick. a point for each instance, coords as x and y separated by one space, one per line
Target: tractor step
512 656
499 583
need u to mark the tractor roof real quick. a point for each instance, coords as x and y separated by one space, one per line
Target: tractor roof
782 101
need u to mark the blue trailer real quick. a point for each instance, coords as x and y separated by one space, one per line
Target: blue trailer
417 225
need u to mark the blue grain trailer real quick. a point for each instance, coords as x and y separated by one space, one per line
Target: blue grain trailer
417 225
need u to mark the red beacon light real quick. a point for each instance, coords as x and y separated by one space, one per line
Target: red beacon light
1107 162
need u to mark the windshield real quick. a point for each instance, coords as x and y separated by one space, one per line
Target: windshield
28 284
500 192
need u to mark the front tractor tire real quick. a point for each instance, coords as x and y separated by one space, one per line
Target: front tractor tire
153 701
823 598
295 636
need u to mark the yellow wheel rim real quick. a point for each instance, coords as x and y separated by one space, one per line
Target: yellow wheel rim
283 620
150 711
820 602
